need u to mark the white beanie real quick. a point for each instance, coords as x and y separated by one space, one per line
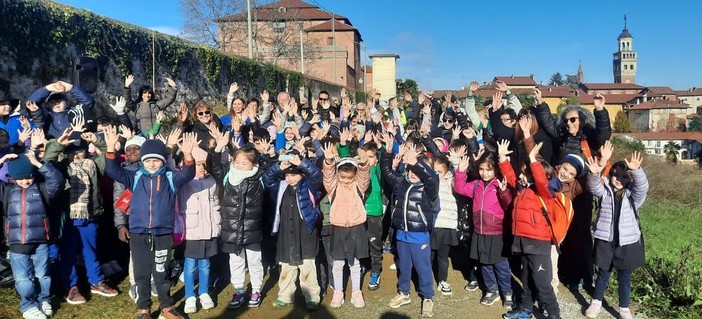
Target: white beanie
135 140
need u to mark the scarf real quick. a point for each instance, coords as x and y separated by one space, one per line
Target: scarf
81 187
236 176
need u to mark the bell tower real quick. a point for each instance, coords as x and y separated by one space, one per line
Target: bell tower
624 60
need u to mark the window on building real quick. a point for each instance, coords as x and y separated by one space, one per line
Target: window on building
330 40
625 67
658 144
658 151
631 67
278 27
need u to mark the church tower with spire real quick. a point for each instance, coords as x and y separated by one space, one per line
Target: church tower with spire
581 75
624 60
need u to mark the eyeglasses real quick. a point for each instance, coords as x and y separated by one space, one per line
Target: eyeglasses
572 119
448 121
203 113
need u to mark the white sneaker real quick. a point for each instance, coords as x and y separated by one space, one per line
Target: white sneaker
445 288
393 266
625 313
190 305
594 309
206 301
33 313
46 309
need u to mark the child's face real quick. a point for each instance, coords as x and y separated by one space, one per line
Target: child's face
441 169
152 165
201 170
25 182
372 158
79 155
262 146
242 163
486 171
293 179
346 178
289 135
57 106
566 173
4 109
133 153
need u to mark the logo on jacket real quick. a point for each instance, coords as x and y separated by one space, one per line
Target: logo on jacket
540 268
424 246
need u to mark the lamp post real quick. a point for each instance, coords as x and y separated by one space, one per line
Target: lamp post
249 31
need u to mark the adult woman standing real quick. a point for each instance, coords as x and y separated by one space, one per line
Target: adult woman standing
146 106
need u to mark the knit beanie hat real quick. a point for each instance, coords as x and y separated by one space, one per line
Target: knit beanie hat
576 161
20 167
153 149
135 140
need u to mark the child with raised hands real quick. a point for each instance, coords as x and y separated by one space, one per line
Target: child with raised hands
242 218
618 238
346 181
151 217
491 198
445 233
531 230
412 219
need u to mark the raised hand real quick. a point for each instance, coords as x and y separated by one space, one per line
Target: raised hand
31 106
89 137
535 152
33 159
329 152
469 133
296 160
111 138
284 165
128 80
66 86
606 151
388 139
55 87
635 162
119 105
473 86
160 116
497 100
189 142
463 163
457 152
171 83
277 120
502 183
594 166
362 158
173 137
599 102
233 88
344 136
410 156
501 86
503 150
538 96
7 157
265 96
182 114
526 123
125 132
37 138
24 134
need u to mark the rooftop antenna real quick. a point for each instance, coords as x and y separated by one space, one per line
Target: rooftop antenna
625 22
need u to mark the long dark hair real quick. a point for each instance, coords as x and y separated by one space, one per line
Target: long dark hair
144 89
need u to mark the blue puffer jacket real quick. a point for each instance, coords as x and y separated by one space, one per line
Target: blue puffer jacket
27 220
413 209
153 202
308 192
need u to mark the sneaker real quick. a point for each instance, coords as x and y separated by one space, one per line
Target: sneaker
399 300
312 306
143 314
74 297
427 308
445 288
102 289
489 298
594 309
33 313
374 282
237 300
190 305
472 286
625 313
280 304
357 299
255 300
170 313
518 314
46 308
337 299
508 301
206 302
393 266
154 291
133 292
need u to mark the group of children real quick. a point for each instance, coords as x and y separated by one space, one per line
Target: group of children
320 185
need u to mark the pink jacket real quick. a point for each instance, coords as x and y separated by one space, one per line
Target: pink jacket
198 202
489 203
348 209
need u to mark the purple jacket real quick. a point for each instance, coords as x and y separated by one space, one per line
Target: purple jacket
489 203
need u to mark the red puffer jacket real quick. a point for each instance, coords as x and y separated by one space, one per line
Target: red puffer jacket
527 218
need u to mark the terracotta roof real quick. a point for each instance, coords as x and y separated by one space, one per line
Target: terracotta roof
654 136
556 91
659 104
611 86
609 98
295 10
327 26
516 80
659 90
690 92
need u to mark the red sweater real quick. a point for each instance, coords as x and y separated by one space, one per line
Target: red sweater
527 219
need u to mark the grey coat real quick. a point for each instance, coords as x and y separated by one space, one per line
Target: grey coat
629 228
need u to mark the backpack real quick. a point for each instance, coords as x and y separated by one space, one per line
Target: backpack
178 221
562 214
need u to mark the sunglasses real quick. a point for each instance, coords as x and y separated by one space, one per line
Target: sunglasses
448 121
321 99
203 113
572 119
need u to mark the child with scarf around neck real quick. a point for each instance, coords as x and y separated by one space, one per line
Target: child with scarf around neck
242 217
84 208
346 180
198 203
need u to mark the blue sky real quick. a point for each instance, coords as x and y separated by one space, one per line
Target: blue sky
446 44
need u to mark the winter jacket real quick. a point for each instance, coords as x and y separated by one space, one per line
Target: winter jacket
202 131
57 122
347 208
27 216
569 144
527 216
145 111
199 205
11 124
629 228
241 210
153 202
489 203
448 215
414 202
374 195
121 218
308 192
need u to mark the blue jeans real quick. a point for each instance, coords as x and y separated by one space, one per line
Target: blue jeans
624 280
419 257
26 267
202 265
82 237
503 278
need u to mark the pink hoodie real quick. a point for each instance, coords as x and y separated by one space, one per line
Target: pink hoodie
489 203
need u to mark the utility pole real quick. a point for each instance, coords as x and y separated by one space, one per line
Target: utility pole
334 44
365 68
302 50
153 58
248 25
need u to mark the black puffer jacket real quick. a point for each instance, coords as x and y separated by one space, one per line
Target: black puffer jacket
242 215
595 128
413 207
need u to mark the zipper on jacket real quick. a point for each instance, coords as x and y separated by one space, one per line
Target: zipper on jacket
151 196
23 216
46 228
406 201
482 206
424 219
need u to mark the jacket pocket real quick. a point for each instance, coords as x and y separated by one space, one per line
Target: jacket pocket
192 219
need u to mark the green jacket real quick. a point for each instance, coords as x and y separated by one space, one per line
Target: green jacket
374 202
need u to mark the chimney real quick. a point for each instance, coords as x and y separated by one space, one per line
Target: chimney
550 89
513 76
531 76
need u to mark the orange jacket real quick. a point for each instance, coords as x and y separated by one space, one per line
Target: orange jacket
527 217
